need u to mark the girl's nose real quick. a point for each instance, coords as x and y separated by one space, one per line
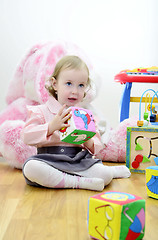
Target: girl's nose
74 90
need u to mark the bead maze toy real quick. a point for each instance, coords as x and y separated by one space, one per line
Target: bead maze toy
142 142
128 77
141 148
82 127
116 216
152 181
151 111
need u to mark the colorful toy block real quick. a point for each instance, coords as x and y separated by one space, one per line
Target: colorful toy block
116 216
152 181
141 148
82 127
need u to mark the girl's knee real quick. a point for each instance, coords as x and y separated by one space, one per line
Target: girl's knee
36 171
30 168
105 173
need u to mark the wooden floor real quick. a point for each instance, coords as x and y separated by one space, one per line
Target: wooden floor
28 213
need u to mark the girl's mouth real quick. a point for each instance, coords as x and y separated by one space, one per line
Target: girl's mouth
72 99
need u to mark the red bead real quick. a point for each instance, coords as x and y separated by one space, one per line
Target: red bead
139 158
135 164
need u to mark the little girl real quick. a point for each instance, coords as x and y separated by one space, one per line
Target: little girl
59 164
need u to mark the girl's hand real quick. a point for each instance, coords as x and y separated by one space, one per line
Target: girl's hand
59 121
90 145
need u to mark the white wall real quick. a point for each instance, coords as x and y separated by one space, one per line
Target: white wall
115 34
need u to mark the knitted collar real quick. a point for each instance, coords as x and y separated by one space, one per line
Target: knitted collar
53 105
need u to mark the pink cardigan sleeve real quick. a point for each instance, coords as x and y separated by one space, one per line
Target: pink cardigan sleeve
35 129
98 145
35 132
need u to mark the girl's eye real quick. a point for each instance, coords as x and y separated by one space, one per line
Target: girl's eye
68 83
81 85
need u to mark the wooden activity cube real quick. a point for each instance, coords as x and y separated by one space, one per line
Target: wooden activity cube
116 216
152 181
82 127
141 148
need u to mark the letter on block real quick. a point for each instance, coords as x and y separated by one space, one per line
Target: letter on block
116 216
82 127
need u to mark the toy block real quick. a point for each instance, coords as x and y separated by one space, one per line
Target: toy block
153 118
156 160
152 181
140 123
141 148
116 216
82 127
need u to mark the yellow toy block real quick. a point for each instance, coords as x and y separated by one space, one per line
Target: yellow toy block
152 181
116 216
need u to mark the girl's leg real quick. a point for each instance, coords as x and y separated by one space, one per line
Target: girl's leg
120 171
107 173
48 176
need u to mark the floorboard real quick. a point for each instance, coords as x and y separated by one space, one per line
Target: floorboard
36 213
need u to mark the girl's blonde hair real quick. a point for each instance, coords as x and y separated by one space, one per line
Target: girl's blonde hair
67 62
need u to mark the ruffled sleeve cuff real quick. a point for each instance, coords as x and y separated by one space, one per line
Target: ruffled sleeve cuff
97 145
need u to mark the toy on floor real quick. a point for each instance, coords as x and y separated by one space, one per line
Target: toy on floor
142 150
152 181
141 144
116 216
152 114
82 127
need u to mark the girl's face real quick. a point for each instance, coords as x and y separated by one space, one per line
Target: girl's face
70 86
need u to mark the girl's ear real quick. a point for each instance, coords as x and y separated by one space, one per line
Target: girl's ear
54 83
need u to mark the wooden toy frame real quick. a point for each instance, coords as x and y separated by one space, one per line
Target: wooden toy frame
142 142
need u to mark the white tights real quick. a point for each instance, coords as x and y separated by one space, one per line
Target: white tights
94 178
